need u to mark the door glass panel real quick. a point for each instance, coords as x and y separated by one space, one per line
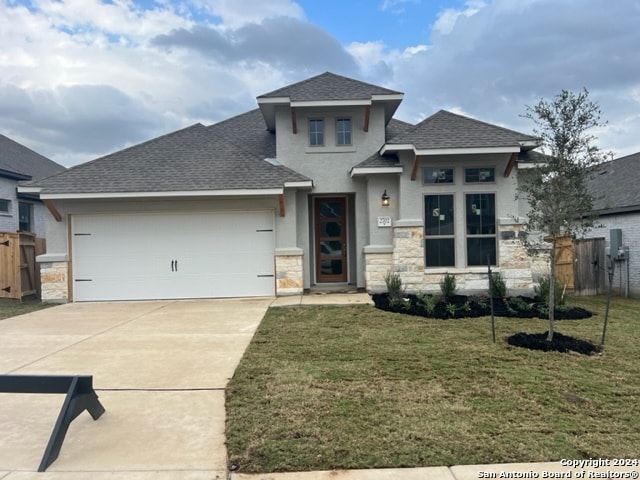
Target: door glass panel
331 248
330 229
331 209
331 267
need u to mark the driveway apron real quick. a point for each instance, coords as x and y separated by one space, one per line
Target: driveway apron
159 368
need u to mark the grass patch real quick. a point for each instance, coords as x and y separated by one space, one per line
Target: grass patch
355 387
13 308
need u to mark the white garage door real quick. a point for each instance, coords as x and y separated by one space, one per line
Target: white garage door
167 256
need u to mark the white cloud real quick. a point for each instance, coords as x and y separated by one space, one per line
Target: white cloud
448 18
236 13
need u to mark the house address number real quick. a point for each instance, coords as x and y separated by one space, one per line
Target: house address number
384 221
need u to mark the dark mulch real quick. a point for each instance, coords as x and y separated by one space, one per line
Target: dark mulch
560 343
462 306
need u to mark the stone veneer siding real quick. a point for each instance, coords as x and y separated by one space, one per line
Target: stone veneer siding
54 277
407 259
289 278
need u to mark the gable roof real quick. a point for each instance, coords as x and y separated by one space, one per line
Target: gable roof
194 160
329 86
450 131
614 185
22 163
328 89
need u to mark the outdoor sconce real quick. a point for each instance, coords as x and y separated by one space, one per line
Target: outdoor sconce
385 199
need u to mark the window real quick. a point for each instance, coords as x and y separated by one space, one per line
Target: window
439 243
316 132
25 214
343 131
480 209
480 175
5 205
432 175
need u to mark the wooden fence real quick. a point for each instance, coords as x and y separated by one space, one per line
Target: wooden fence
580 265
19 273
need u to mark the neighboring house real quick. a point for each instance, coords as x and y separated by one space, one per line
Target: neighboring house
318 186
18 164
615 185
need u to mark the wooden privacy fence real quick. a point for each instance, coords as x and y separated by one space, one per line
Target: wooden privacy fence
580 265
19 273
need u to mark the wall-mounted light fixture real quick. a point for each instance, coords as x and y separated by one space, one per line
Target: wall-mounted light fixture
385 199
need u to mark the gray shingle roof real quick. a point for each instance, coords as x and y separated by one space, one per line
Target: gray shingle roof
614 184
18 159
449 130
196 158
394 128
329 86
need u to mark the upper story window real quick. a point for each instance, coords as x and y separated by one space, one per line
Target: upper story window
316 132
343 131
431 175
25 214
480 175
5 205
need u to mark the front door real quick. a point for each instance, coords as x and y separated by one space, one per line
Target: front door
330 215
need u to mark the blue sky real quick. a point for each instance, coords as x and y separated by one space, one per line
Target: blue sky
84 78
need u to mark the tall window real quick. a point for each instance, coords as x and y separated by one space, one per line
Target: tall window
480 210
439 243
343 131
25 214
316 132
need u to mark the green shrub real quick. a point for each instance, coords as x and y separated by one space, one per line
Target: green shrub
542 291
451 309
427 302
498 286
395 289
448 285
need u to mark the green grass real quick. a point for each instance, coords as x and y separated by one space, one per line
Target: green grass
12 308
355 387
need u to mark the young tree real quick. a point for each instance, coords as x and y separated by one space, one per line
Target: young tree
557 191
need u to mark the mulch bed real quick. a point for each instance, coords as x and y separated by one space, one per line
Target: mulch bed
560 343
462 306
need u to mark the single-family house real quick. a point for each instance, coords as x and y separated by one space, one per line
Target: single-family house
319 186
21 211
614 185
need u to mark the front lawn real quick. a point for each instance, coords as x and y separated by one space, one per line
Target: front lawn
356 387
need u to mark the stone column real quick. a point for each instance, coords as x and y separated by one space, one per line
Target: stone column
408 253
54 277
378 260
289 275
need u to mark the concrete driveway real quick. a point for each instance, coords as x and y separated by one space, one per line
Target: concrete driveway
159 368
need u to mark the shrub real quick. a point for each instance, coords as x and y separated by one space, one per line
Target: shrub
498 286
427 302
448 285
395 290
451 309
542 291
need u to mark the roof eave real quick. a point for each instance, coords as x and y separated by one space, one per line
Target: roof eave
360 171
167 194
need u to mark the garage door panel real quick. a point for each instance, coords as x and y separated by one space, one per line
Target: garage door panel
147 256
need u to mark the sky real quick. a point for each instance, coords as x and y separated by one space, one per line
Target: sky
83 78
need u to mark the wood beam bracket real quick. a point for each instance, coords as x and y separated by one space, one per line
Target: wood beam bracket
53 210
367 115
294 122
414 170
511 164
281 204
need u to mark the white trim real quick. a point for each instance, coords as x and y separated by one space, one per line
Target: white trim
449 151
383 97
373 170
528 165
530 143
304 184
329 103
29 189
273 100
196 193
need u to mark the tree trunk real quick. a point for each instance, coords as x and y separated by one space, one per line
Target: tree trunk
552 289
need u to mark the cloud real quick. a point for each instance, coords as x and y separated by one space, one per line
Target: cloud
510 54
282 42
235 13
447 19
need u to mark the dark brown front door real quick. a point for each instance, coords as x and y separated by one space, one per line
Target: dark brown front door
330 239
